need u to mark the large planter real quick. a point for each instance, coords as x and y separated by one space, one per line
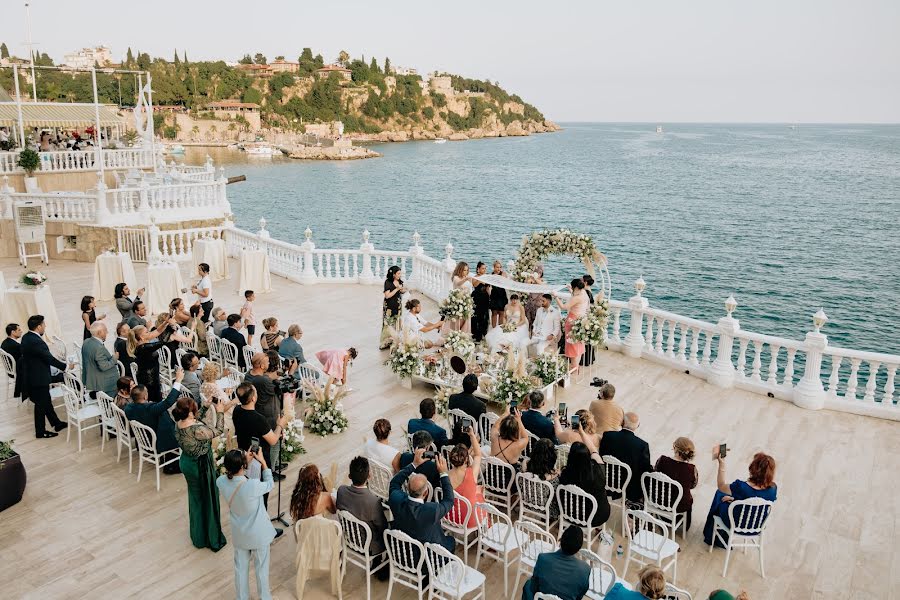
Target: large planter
31 185
12 481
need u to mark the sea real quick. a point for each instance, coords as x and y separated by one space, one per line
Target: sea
788 219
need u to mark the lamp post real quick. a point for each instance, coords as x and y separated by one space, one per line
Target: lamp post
809 392
633 344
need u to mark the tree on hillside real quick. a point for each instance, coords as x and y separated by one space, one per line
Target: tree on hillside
252 95
318 61
246 60
185 60
143 61
387 66
374 66
342 58
259 58
129 58
176 60
4 51
279 57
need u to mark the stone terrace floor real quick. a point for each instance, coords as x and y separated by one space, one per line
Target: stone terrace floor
87 529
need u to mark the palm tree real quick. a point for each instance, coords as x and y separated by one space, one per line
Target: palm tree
215 80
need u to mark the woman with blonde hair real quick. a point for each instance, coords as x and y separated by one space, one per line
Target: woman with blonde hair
586 424
651 586
681 469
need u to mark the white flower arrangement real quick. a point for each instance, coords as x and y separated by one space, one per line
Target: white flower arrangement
404 360
457 305
442 397
508 327
549 367
459 342
33 278
292 443
514 382
220 447
325 416
591 328
541 244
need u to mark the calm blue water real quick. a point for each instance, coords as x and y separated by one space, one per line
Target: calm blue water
786 220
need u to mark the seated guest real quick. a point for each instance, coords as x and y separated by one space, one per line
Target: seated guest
139 318
651 586
466 400
190 362
586 470
464 472
542 465
156 416
198 328
509 439
13 347
178 312
426 423
607 414
290 347
380 448
271 337
120 346
724 595
219 320
209 389
359 501
421 441
760 484
586 424
681 470
233 334
250 424
124 385
561 573
534 421
99 370
414 516
310 496
124 304
631 450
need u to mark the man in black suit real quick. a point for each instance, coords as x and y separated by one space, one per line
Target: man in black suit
561 573
414 516
233 334
13 347
469 404
535 422
631 450
36 363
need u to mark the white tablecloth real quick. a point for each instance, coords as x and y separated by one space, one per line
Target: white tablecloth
112 269
211 252
255 272
22 303
163 284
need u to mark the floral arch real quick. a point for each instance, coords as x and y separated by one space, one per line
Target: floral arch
541 244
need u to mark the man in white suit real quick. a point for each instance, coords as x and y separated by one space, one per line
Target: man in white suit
546 330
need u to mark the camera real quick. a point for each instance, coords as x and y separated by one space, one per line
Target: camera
597 382
286 384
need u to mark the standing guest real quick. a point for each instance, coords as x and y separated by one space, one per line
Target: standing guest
390 309
588 282
724 595
534 299
178 312
13 347
290 347
535 422
461 281
335 363
760 484
190 362
197 325
681 470
607 414
203 291
267 401
199 469
561 573
575 308
586 470
233 334
464 474
120 346
631 450
251 528
124 385
310 496
250 424
498 297
156 416
99 370
380 448
426 422
481 298
414 516
651 586
146 355
271 338
139 315
247 315
124 304
36 363
88 315
362 503
588 358
219 320
547 326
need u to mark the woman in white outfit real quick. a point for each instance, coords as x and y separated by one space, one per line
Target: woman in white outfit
515 313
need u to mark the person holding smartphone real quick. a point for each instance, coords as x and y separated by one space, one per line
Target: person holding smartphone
760 484
509 438
248 423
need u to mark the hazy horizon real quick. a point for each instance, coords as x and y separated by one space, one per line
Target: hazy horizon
712 61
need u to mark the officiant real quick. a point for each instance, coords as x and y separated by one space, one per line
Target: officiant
481 297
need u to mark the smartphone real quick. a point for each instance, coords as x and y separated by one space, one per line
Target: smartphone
562 409
254 445
723 451
467 425
513 406
429 455
576 422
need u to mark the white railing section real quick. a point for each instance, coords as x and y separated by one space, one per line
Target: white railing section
171 244
62 161
72 208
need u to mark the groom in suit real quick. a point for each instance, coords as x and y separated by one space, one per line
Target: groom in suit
414 516
36 363
546 331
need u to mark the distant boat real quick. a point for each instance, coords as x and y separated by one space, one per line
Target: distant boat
175 149
659 129
260 150
440 141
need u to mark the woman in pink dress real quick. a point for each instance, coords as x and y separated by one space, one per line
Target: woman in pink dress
463 477
335 363
576 307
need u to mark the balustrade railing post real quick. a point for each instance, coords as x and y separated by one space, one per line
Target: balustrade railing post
144 206
810 393
414 280
221 194
634 341
721 371
5 192
449 265
308 277
154 256
264 236
101 216
367 276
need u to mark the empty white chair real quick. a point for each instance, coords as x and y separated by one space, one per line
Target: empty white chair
146 443
496 539
134 371
79 413
166 373
407 557
536 497
499 479
562 456
230 356
214 346
123 435
603 575
70 379
577 508
248 352
191 344
748 522
618 474
121 367
107 418
356 539
648 542
309 372
379 478
179 352
450 578
485 424
543 596
676 593
661 497
9 368
531 540
456 523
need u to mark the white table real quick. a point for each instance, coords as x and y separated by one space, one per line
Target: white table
163 284
109 270
22 302
211 252
255 272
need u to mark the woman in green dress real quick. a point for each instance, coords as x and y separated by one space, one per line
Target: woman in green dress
198 466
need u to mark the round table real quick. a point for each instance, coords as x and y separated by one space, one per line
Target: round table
255 272
163 284
22 302
111 269
212 252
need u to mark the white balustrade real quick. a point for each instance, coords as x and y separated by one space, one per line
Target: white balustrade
62 161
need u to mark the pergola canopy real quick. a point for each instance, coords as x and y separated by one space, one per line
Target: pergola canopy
51 114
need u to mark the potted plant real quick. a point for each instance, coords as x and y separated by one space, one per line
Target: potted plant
29 161
12 476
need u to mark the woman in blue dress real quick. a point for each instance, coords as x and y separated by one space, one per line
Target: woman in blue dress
760 484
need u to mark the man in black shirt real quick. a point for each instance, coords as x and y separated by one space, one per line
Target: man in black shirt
248 423
233 334
262 375
422 439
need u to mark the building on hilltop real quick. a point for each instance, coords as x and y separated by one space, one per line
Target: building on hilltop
228 110
404 71
329 69
257 70
441 84
285 66
88 57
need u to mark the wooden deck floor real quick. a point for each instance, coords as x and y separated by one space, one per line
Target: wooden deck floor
86 529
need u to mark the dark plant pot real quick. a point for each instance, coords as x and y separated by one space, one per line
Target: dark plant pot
12 481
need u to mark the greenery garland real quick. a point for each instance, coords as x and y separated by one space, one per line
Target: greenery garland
541 244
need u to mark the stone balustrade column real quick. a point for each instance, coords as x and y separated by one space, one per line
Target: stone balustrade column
415 281
154 256
308 277
633 344
101 214
367 276
809 392
144 207
263 235
449 266
721 371
221 194
5 196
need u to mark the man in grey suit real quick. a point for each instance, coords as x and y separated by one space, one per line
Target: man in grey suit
560 573
362 503
99 371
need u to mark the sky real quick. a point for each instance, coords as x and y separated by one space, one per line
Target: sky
794 61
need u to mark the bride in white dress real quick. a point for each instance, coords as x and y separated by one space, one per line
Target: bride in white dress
461 281
515 313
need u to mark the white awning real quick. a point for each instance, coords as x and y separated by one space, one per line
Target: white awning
517 286
51 114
